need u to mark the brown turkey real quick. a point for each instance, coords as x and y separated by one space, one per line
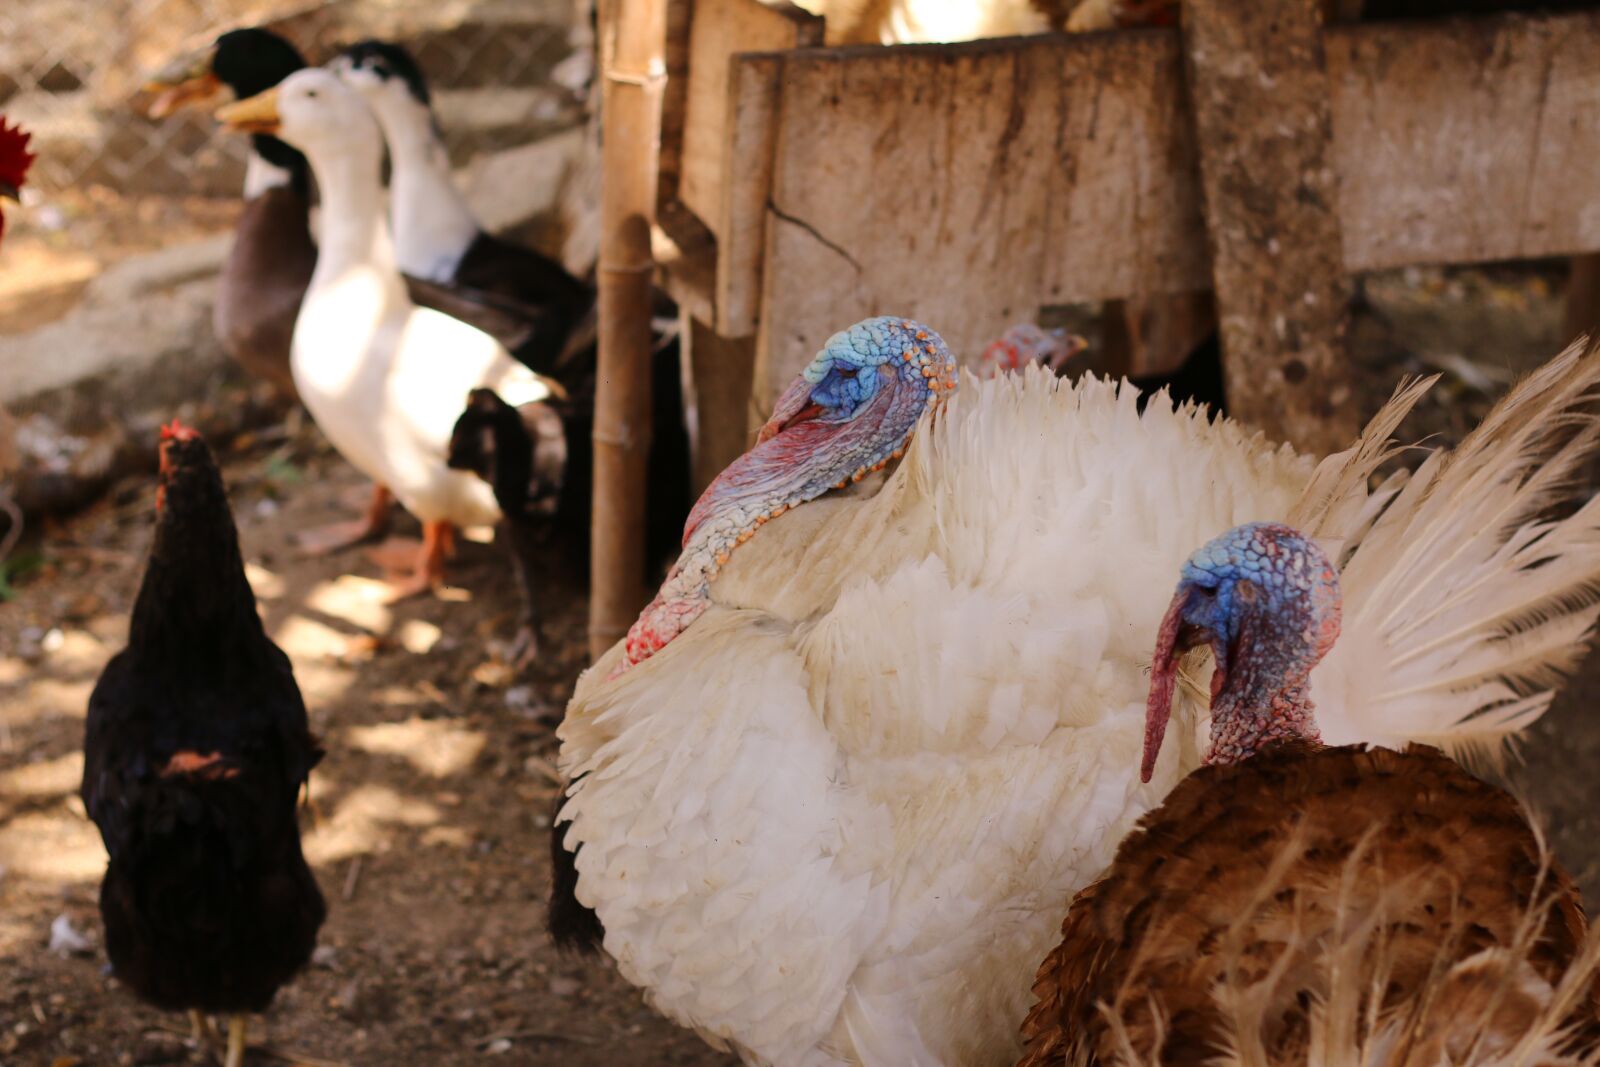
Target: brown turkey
1291 903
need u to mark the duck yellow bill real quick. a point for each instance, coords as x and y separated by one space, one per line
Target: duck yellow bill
258 114
186 82
10 192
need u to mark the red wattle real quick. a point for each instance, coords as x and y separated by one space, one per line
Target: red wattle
1163 680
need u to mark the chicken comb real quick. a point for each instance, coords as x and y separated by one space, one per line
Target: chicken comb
177 431
15 159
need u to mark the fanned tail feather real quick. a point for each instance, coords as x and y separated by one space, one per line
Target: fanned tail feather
1337 503
1465 600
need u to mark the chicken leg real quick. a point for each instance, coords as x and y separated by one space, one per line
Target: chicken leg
438 544
325 539
236 1041
205 1036
522 542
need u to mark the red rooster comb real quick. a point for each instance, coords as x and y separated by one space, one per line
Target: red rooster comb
173 431
177 431
15 159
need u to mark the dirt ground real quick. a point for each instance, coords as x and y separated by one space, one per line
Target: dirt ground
430 838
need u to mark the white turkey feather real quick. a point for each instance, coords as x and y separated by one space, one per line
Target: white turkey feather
1465 602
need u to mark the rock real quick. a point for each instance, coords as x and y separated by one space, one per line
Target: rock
165 268
562 986
575 73
492 674
144 308
66 940
522 700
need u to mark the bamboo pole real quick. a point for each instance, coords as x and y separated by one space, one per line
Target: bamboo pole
632 34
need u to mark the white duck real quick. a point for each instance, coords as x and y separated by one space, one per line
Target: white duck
384 379
436 235
830 795
432 222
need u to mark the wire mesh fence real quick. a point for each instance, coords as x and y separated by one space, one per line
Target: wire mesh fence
71 71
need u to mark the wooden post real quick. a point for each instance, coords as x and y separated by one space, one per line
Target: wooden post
719 374
1259 87
631 36
1165 330
1583 297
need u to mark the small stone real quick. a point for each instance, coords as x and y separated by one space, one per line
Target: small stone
499 1046
66 940
325 956
525 702
493 674
563 986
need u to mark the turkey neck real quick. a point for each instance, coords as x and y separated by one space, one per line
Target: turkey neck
1258 708
799 464
432 224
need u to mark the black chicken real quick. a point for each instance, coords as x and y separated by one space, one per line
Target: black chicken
196 749
522 454
539 459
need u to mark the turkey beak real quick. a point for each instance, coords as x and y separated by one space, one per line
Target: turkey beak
793 407
186 82
1173 639
1072 346
258 114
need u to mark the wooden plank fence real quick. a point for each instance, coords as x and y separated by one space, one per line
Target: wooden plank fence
972 184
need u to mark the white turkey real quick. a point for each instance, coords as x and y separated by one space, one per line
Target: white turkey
830 794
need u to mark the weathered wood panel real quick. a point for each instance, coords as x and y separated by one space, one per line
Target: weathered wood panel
1259 85
718 29
674 104
967 185
1583 298
741 223
970 184
718 397
1467 140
